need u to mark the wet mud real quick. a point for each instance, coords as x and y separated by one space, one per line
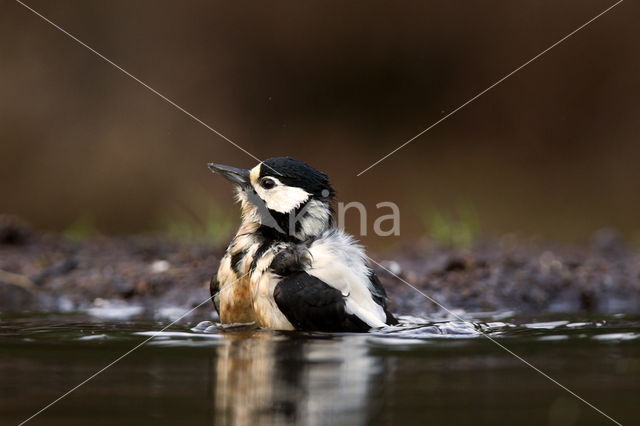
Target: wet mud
45 272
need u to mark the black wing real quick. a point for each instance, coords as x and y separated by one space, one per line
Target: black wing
214 288
380 297
312 305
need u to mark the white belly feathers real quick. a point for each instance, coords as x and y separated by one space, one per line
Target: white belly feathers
336 260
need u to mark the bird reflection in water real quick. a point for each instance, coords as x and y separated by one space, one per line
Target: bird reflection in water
266 377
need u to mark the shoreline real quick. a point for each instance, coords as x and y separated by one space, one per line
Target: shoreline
48 272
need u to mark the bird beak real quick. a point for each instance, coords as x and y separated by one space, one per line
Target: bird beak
232 174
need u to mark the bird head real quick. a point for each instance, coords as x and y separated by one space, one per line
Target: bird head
283 193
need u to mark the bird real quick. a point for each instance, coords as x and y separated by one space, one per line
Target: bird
289 266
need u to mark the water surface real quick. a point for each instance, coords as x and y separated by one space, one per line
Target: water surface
423 372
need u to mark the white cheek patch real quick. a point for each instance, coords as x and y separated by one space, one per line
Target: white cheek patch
282 199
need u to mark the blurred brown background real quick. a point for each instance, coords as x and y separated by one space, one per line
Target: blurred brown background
553 151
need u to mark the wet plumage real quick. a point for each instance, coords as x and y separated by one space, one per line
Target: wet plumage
288 266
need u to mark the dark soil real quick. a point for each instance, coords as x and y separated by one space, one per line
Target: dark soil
52 272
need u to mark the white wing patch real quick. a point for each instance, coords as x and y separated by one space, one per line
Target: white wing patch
339 262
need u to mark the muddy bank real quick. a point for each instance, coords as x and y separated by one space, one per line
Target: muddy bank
158 275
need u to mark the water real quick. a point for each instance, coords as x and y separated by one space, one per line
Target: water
423 372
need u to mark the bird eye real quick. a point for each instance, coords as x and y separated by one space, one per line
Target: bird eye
267 183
